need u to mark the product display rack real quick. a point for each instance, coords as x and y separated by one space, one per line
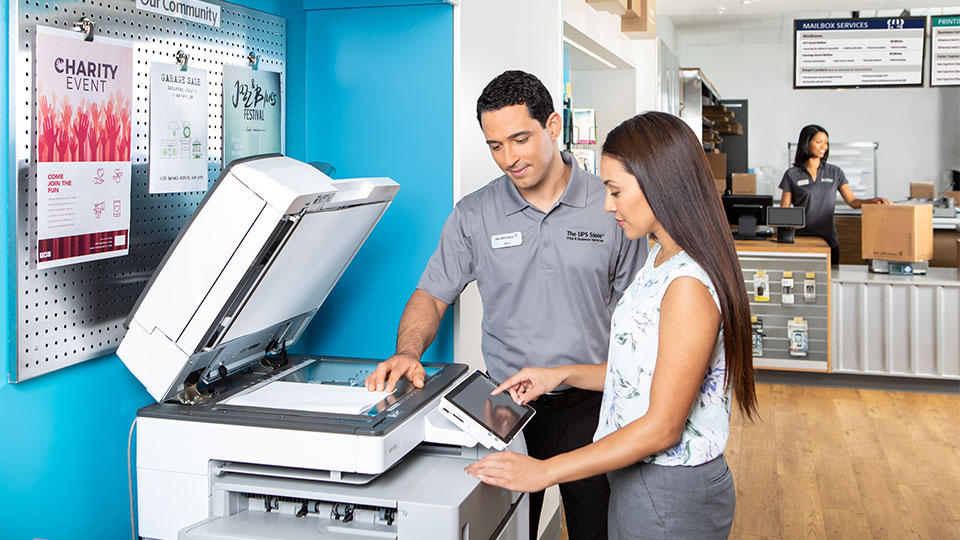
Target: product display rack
806 262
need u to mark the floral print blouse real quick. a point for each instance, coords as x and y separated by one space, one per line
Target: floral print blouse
632 358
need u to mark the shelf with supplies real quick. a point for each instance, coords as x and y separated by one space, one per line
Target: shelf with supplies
790 300
701 108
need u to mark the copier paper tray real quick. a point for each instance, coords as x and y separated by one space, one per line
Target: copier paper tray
260 525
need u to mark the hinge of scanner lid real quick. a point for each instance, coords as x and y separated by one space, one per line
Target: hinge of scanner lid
276 354
190 395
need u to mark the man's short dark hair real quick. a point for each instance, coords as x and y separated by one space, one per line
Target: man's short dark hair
516 88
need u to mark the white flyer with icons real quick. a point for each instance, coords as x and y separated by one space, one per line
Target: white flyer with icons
178 129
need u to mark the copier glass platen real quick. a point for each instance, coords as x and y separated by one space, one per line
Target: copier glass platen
248 441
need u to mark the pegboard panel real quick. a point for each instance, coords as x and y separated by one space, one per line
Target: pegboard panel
74 313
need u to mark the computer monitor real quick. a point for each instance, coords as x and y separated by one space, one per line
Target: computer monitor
733 214
786 220
746 212
790 216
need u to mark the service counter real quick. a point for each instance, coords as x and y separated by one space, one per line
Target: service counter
907 326
843 319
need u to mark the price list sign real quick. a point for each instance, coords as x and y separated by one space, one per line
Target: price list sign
851 53
945 56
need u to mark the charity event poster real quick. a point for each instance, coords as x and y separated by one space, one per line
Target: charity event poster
251 113
178 129
83 147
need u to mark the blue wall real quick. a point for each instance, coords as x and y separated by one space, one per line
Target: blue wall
370 90
380 82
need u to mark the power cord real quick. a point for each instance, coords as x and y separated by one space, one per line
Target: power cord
133 527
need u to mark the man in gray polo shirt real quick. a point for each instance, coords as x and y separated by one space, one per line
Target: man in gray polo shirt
550 265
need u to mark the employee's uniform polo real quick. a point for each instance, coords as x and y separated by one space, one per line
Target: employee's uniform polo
549 283
818 197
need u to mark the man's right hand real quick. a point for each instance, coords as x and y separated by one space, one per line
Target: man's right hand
388 372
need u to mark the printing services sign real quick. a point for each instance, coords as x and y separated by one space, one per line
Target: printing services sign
188 10
83 147
945 57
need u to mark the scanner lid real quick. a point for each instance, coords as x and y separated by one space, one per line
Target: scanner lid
249 271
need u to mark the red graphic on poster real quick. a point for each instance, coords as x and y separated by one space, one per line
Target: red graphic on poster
88 133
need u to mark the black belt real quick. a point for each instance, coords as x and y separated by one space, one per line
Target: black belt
563 398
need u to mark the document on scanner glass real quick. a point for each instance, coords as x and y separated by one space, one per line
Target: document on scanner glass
321 398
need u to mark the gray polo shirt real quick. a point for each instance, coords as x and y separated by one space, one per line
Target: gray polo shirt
549 281
817 196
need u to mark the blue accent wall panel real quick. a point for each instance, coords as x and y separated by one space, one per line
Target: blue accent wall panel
369 90
379 93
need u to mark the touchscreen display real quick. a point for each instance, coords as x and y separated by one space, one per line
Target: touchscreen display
498 413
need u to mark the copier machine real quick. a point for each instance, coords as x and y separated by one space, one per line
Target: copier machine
246 441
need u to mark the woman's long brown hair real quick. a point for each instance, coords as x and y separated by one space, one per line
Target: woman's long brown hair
666 158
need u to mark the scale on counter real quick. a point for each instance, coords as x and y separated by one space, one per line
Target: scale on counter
898 268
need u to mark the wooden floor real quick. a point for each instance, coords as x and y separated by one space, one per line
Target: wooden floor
841 463
845 463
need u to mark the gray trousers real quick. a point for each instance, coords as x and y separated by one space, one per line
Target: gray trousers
654 501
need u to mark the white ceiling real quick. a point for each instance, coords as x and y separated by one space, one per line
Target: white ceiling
671 8
698 22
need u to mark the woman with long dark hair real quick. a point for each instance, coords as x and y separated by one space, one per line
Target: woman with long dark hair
679 347
813 184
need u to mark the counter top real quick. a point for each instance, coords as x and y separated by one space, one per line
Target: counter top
803 244
938 222
857 273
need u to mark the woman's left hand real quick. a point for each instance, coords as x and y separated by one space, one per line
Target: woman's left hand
512 471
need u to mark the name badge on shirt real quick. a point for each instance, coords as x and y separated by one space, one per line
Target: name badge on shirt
504 240
830 180
803 182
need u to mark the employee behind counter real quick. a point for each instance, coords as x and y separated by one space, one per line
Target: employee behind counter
813 184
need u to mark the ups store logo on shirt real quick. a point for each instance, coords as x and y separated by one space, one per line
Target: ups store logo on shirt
585 236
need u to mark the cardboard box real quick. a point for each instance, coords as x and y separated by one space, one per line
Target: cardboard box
945 248
616 7
718 164
897 232
721 184
922 190
640 20
743 184
731 127
955 195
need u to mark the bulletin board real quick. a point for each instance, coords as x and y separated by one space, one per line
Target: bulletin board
73 313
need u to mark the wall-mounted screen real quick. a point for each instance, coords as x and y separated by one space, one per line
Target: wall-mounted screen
945 50
856 53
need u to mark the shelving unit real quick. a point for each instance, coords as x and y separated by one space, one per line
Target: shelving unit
701 108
